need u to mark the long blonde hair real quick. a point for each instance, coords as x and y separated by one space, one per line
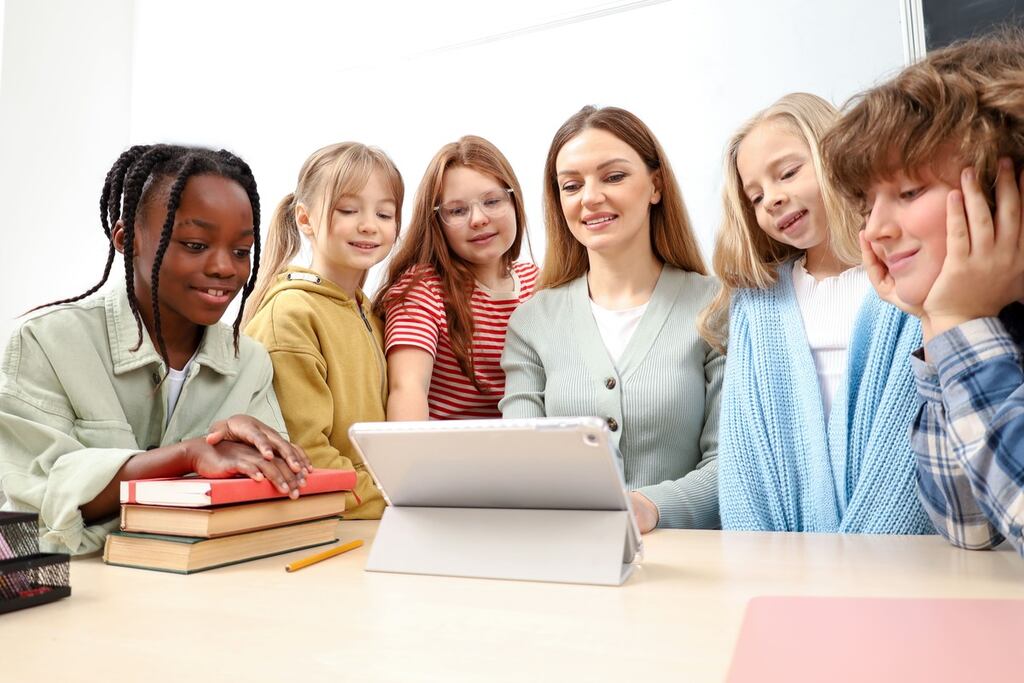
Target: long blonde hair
426 247
328 174
672 237
745 256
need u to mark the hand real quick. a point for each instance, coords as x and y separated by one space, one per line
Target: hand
984 267
883 282
646 512
249 430
228 458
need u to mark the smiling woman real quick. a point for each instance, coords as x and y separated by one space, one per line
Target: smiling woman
143 381
612 333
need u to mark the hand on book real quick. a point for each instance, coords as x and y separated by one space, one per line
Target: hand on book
228 458
249 430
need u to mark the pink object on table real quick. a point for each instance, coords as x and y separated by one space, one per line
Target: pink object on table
797 639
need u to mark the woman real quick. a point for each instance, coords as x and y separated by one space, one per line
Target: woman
613 332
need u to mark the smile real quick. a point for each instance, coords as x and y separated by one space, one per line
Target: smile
483 239
900 261
790 220
365 246
217 297
598 220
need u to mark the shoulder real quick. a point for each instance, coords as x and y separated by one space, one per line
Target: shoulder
543 311
696 287
77 324
287 319
418 288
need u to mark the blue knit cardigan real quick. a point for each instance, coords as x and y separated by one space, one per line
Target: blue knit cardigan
781 466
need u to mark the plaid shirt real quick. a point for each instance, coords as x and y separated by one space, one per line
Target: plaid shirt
969 434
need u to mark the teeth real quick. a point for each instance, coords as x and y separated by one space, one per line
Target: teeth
216 292
793 220
598 221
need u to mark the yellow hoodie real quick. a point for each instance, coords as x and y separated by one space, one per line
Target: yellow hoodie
329 371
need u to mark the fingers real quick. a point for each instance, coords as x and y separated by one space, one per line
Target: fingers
215 437
978 228
278 473
1008 207
958 243
878 274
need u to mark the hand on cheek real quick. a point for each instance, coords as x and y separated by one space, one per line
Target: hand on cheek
883 281
984 267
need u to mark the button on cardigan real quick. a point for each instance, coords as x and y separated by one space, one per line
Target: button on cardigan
663 400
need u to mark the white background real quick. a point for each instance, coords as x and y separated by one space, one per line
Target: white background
272 81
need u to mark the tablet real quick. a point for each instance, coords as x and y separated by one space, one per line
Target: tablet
535 463
539 463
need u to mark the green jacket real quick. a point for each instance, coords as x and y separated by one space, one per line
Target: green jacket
76 403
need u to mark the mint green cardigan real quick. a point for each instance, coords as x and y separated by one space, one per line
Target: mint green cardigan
76 402
663 402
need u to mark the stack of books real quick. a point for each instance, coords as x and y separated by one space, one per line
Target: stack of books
28 577
190 524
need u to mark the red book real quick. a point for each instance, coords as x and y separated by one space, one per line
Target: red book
194 492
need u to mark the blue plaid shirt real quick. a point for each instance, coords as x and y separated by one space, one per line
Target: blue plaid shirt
969 434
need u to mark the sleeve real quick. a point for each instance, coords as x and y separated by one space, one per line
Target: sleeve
416 319
525 377
264 405
982 388
44 466
692 501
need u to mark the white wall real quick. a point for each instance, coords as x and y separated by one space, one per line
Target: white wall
64 115
273 81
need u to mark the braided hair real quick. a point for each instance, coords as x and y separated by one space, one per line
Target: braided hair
129 184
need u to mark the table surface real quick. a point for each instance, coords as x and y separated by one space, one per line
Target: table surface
676 618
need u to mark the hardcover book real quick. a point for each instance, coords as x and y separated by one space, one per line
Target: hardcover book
211 522
185 555
198 492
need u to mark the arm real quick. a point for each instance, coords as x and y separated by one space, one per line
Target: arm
525 377
69 469
409 371
692 501
979 461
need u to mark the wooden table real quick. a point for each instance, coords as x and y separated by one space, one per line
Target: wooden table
676 619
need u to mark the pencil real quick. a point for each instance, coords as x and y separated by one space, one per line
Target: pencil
313 559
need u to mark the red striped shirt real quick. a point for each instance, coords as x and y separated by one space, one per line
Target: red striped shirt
420 321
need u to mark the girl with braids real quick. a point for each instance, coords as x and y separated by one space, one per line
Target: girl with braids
818 395
324 340
143 381
933 156
453 285
612 332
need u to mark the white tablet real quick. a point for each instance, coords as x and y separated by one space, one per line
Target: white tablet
525 464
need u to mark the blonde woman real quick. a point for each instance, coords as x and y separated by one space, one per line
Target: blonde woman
318 325
818 394
613 332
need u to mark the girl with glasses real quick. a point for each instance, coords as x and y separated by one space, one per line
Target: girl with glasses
613 332
453 285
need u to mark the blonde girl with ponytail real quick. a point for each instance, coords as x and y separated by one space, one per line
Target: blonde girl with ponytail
325 342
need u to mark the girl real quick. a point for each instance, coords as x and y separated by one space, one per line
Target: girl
323 338
613 332
453 285
818 394
143 381
962 106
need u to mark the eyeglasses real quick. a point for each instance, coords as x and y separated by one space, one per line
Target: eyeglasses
494 205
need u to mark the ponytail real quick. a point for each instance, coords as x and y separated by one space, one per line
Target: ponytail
283 242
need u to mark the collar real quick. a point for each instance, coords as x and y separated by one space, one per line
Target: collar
216 350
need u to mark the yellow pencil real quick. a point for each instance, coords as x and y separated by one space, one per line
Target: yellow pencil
313 559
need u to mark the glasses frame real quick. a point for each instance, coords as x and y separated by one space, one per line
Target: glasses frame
475 202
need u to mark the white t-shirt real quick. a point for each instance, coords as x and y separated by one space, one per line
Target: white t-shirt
175 381
828 308
617 327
